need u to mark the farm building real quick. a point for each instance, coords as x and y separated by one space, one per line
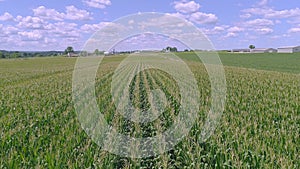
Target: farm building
264 50
240 50
289 49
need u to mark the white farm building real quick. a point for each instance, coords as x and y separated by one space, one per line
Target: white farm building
264 50
289 49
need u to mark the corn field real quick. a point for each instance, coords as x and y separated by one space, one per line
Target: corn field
259 128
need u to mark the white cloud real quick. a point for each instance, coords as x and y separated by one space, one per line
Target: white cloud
10 30
6 17
251 27
271 13
263 2
203 18
235 29
294 30
6 31
178 15
219 28
284 13
190 10
231 34
166 22
30 22
64 30
72 13
259 23
265 31
32 35
101 4
90 28
48 40
246 16
50 14
215 30
186 7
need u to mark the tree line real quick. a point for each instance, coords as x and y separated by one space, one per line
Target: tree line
17 54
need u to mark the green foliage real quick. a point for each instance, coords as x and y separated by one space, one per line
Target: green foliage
171 49
2 55
69 49
259 127
251 47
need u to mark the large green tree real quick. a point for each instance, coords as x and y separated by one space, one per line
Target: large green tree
69 50
171 49
252 47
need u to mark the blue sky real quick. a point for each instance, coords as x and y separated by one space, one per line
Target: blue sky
54 25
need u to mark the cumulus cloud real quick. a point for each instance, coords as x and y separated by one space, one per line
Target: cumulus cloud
235 29
64 29
284 13
256 26
32 35
101 4
203 18
10 29
6 31
6 17
186 7
30 22
231 34
190 10
294 30
50 14
259 23
215 30
178 15
72 13
264 31
219 28
90 28
271 13
245 16
263 2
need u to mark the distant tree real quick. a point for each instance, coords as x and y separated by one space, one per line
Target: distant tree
2 55
186 50
15 55
97 52
174 49
171 49
84 53
69 50
168 49
251 47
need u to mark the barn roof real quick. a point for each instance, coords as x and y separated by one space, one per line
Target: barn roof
289 47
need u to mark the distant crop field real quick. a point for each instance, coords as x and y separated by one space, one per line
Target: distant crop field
260 126
281 62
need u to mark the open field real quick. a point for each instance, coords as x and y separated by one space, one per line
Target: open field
259 128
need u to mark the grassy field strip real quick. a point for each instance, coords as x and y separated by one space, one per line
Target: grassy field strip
261 70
